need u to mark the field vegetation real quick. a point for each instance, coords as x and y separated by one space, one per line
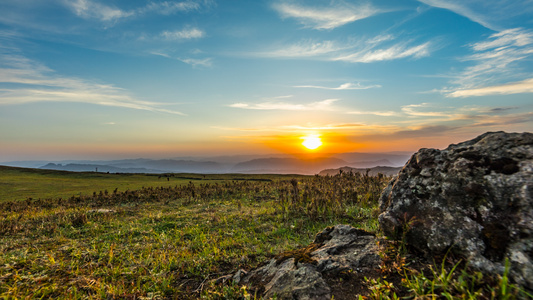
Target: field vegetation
171 239
23 183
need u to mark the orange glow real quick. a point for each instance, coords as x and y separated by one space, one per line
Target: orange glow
311 142
294 144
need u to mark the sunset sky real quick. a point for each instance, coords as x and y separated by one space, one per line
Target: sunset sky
94 79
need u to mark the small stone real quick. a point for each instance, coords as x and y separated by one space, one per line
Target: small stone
239 275
335 250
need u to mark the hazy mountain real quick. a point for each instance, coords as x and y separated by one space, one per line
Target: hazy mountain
287 165
278 163
25 163
395 159
144 166
231 159
185 166
370 164
388 171
95 168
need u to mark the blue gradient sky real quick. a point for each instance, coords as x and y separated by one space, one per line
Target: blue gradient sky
122 79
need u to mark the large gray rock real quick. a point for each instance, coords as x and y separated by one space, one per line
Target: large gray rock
475 198
302 274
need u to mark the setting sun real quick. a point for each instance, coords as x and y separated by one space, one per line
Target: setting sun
312 142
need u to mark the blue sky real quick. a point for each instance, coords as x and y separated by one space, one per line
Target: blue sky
116 79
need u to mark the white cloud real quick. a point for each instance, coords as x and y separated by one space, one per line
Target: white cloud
495 60
344 86
277 105
490 14
184 34
168 8
360 51
390 53
376 113
431 113
525 86
159 53
511 37
195 62
380 39
426 110
328 17
297 128
93 10
37 83
305 49
459 8
335 127
204 62
90 9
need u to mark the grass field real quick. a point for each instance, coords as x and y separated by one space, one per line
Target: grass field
170 239
22 183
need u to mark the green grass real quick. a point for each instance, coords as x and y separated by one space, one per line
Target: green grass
21 183
165 240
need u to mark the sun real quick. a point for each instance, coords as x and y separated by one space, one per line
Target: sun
311 142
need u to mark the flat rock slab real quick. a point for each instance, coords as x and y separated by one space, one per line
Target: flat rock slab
303 273
474 198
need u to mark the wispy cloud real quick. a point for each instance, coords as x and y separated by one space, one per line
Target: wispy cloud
515 37
496 67
460 7
93 10
525 86
375 113
203 62
184 34
468 116
433 113
328 17
194 62
95 95
394 52
37 83
170 7
379 48
306 48
278 105
160 53
490 14
428 110
498 121
297 128
332 127
344 86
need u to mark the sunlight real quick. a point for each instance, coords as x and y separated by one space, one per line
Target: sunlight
311 142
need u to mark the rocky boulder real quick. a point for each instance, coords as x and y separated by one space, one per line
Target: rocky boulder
474 198
305 273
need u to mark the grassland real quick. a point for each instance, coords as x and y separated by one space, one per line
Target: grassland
22 183
170 239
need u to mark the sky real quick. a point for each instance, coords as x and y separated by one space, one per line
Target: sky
94 79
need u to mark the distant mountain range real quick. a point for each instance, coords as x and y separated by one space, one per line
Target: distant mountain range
274 164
